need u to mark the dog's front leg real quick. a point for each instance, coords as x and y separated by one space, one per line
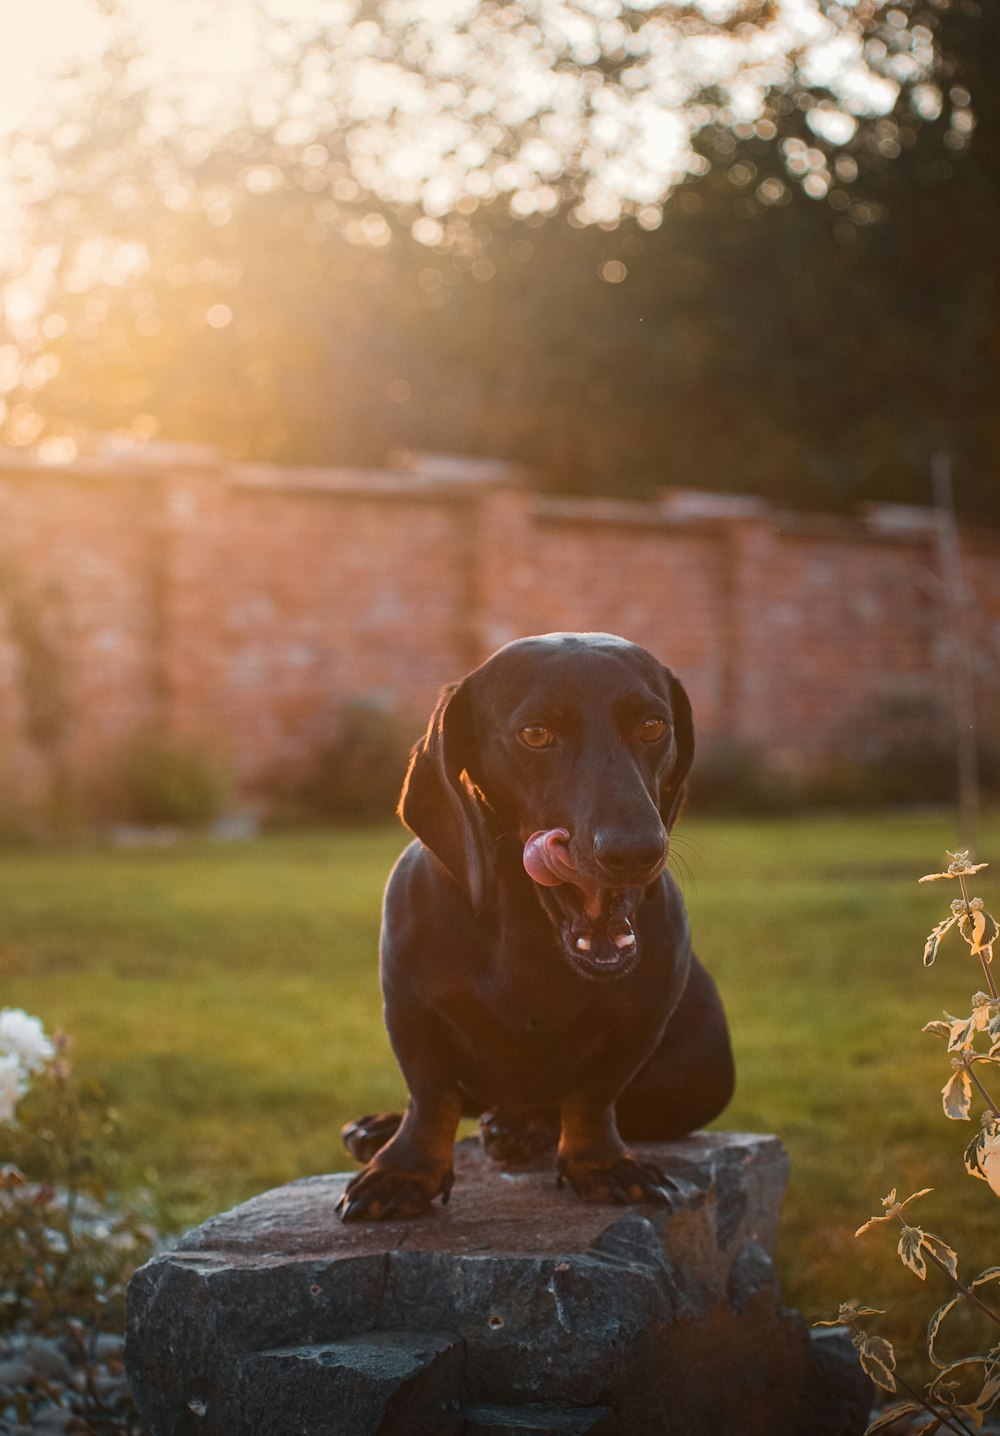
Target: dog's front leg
594 1160
414 1166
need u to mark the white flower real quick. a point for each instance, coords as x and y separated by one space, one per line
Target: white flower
12 1086
23 1038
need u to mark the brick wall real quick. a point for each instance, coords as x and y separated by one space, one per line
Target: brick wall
244 604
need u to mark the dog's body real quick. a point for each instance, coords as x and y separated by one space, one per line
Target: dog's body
536 960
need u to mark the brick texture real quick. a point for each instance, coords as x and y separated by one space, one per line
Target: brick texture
245 604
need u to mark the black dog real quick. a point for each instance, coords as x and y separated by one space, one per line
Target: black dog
536 960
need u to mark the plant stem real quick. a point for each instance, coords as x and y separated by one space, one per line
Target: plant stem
961 1287
943 1416
982 1090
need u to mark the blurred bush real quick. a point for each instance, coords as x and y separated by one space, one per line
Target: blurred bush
358 775
163 781
908 755
733 777
68 1243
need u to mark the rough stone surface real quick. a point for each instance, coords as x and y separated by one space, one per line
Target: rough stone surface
394 1383
516 1308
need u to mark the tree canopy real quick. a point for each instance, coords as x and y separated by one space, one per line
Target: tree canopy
738 246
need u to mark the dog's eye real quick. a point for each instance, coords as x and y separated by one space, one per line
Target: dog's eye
536 736
651 730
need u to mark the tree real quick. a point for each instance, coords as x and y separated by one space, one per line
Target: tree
787 321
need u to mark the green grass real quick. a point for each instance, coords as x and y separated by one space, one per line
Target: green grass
227 998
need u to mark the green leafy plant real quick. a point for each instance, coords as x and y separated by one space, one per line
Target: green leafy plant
964 1389
68 1244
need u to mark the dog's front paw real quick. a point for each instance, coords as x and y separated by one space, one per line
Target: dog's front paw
621 1180
369 1135
514 1138
380 1194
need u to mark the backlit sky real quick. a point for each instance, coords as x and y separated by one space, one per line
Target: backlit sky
219 39
211 55
42 35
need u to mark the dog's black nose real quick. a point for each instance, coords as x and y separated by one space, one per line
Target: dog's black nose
629 856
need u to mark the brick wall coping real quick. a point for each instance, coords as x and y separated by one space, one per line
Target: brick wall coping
689 511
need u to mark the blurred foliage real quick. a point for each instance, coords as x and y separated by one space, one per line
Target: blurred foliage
162 780
395 243
359 774
68 1246
37 623
733 777
907 756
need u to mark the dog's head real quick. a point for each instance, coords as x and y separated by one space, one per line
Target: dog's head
577 746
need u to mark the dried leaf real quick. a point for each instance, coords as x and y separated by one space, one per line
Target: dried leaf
972 1157
956 1096
962 1033
939 1384
934 1326
978 929
934 939
891 1415
849 1313
879 1360
911 1251
989 1160
938 1028
960 867
944 1253
986 931
924 1192
987 1397
991 1273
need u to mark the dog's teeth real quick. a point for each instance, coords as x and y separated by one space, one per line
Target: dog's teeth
583 944
624 939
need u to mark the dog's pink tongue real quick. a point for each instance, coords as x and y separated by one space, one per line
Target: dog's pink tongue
546 858
548 863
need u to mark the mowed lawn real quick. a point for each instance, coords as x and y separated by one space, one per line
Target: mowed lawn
227 998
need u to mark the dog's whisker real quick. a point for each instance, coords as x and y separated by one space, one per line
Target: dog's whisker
688 844
678 863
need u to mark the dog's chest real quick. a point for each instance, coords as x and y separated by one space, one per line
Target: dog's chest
534 1044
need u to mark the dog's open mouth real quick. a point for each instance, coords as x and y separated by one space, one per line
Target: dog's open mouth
594 922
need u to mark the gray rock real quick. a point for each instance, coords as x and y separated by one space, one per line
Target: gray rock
46 1358
16 1375
392 1383
107 1345
838 1384
538 1421
54 1420
515 1298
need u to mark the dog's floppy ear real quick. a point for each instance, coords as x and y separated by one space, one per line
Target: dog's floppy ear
673 786
439 803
